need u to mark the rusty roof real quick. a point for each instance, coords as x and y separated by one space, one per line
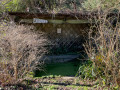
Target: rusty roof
51 15
61 16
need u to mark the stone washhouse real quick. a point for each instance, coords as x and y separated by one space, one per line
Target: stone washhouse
67 32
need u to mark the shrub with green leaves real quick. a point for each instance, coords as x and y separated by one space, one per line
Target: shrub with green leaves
89 71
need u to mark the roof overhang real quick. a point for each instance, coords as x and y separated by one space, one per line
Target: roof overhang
28 15
73 18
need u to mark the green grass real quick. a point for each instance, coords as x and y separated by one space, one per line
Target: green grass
64 69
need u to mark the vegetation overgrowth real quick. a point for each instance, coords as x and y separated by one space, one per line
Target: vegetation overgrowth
52 6
103 46
21 47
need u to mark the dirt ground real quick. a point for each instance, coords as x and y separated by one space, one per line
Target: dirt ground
54 83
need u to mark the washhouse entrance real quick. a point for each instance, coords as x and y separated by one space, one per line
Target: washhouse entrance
66 50
66 36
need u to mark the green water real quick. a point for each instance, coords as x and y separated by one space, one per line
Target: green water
64 69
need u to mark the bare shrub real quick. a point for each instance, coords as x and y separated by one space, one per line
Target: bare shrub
21 48
103 48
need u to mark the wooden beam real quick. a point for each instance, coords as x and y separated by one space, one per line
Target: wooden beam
57 21
77 21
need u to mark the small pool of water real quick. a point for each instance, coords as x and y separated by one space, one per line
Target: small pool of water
64 69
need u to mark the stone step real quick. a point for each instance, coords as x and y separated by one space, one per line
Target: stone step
59 58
